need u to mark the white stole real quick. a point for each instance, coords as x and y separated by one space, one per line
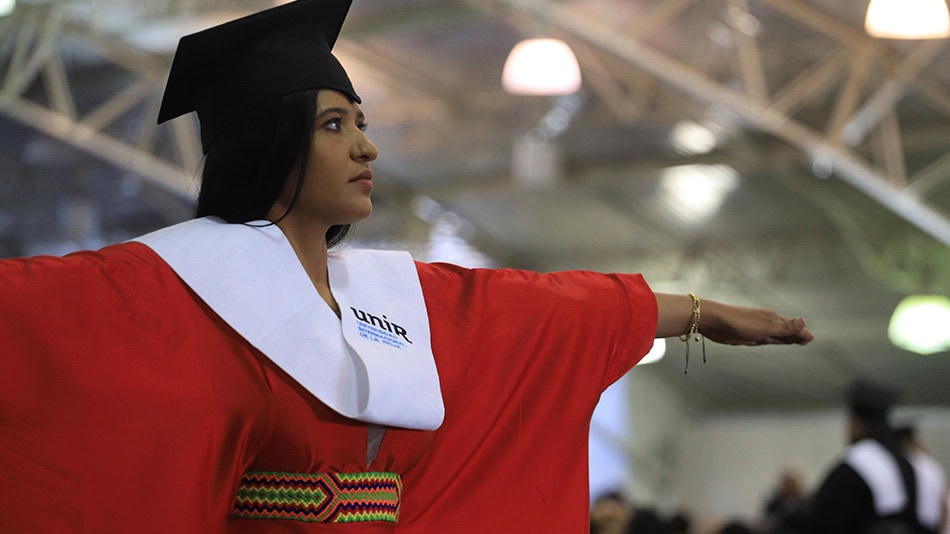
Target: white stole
931 488
881 473
376 365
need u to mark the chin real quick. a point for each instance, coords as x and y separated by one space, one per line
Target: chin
360 215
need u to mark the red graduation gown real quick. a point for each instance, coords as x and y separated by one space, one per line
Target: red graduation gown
126 404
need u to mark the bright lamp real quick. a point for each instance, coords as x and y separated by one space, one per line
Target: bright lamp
541 67
908 19
921 324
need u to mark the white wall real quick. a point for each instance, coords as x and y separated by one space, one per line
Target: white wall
733 462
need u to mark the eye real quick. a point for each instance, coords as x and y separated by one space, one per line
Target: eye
363 126
334 124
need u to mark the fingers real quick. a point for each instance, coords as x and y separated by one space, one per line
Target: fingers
782 331
800 334
795 333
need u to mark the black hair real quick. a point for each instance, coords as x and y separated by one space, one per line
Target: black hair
612 495
248 164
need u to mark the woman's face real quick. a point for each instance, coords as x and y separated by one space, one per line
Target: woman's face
338 180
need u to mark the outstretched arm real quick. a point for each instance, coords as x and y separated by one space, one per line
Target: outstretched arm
728 324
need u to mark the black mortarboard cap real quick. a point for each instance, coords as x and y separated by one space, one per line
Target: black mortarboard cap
870 401
228 70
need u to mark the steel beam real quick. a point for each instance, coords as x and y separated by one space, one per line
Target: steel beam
810 83
750 58
59 126
656 17
626 101
931 177
119 104
887 96
851 91
57 85
891 151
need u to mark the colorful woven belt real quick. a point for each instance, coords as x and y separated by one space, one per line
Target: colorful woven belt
319 497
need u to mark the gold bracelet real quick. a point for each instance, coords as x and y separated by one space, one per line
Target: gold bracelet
693 330
694 325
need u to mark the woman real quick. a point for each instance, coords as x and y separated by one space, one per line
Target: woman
217 376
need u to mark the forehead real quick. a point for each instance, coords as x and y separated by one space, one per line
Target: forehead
329 98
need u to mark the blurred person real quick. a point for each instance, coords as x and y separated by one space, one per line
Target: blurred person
610 513
931 480
646 520
785 499
873 489
680 523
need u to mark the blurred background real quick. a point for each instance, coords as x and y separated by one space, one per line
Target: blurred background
774 153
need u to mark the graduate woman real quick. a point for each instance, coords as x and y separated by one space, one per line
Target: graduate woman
234 374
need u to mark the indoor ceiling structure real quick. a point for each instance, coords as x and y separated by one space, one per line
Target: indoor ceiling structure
763 152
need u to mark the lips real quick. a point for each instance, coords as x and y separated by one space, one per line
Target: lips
365 176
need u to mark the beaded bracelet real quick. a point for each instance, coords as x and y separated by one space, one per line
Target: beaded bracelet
693 330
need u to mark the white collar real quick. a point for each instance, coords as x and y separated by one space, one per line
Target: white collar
376 365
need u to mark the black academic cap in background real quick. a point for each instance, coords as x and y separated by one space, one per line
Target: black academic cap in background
228 70
870 401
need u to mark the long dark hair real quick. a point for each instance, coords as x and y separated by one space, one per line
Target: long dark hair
248 164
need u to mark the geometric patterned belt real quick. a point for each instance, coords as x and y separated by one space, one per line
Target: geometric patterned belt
319 497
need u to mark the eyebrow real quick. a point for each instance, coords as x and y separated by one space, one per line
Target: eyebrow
341 111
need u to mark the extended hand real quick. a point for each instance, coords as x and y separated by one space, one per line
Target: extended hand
738 325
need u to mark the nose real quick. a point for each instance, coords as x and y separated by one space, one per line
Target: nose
364 150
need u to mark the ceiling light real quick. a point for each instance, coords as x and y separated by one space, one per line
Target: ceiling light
656 353
696 192
541 67
690 138
908 19
6 7
921 324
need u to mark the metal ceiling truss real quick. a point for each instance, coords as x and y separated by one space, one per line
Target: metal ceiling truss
37 38
853 119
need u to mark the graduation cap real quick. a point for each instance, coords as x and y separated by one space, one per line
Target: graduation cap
870 401
229 70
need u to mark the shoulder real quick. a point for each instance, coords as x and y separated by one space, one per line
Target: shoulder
843 487
843 474
80 271
112 257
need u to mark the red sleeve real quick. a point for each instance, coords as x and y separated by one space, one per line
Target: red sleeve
122 408
523 358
